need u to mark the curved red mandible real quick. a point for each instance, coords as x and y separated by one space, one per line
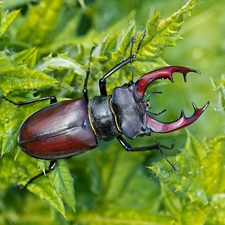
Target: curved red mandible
167 73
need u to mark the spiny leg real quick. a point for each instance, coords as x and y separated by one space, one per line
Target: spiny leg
157 146
50 168
130 59
51 98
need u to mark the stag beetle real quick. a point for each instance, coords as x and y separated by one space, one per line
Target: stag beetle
71 127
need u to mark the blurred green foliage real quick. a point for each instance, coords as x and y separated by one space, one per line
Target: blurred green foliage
44 50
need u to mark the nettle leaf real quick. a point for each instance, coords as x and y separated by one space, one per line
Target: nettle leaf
11 120
27 57
56 190
121 189
16 4
6 19
108 181
61 62
39 22
200 180
189 178
62 181
15 76
64 63
220 88
162 33
112 217
47 192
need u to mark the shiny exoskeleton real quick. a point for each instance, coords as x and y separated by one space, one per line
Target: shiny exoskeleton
68 128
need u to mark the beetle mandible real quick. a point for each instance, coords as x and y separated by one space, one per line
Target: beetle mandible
71 127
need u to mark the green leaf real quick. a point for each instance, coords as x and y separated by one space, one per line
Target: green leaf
40 21
27 57
123 218
61 62
15 4
220 89
113 187
11 120
56 188
62 182
181 209
162 34
14 77
189 178
6 20
199 184
45 191
122 192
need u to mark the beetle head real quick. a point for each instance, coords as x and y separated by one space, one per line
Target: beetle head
131 110
166 73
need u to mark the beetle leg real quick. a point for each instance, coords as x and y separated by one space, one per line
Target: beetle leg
130 59
157 146
50 168
102 81
128 147
52 100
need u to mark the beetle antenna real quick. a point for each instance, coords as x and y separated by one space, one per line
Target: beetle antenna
140 42
133 40
151 93
85 89
163 155
137 50
157 114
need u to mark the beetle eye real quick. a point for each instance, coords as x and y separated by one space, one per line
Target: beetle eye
148 104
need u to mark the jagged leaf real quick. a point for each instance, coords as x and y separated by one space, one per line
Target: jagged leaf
40 21
109 186
6 20
62 182
200 181
61 62
123 218
14 76
27 57
56 190
21 77
11 120
44 190
162 33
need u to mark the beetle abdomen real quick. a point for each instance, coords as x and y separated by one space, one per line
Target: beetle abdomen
60 130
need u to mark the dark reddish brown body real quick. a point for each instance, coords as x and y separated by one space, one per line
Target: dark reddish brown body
72 127
60 130
64 129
